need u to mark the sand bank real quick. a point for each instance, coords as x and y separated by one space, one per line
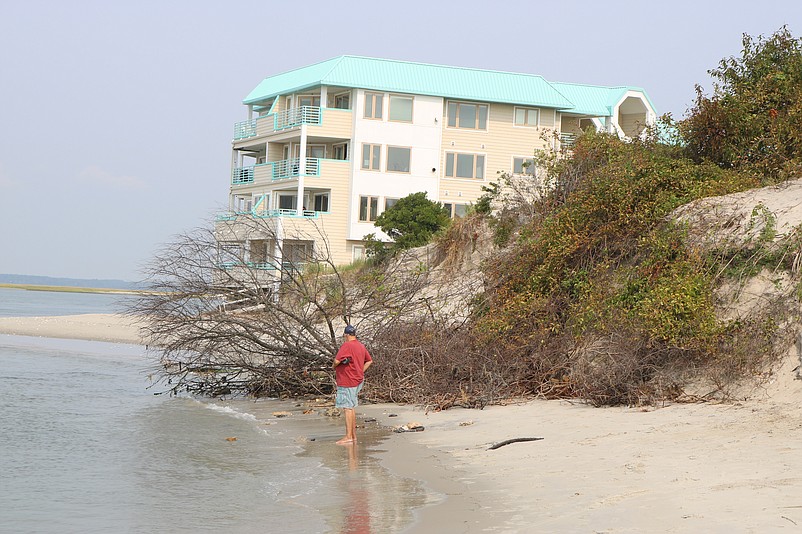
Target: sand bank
93 327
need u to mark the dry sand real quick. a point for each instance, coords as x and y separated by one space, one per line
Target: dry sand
680 468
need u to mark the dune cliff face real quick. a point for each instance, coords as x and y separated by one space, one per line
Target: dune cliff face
762 227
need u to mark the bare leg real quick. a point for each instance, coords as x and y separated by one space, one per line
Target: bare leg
350 427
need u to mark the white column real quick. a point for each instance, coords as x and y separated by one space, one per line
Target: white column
324 96
301 171
250 111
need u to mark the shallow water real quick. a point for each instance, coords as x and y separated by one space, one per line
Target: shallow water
87 447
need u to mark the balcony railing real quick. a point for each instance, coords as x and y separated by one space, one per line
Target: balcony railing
291 118
291 168
276 122
567 140
267 214
245 129
242 175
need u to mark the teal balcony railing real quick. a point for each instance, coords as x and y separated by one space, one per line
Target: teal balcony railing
245 129
242 175
291 168
276 122
267 214
291 118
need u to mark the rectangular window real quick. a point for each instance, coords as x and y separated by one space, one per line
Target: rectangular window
368 208
358 253
371 157
322 202
389 203
525 117
456 210
340 151
309 100
297 252
523 166
398 159
373 105
287 202
342 101
400 108
470 116
465 165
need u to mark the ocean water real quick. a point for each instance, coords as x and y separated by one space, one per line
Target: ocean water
86 445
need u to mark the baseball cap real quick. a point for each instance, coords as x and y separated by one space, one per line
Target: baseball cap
350 330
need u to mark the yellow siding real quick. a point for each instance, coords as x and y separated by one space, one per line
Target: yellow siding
499 143
334 123
632 123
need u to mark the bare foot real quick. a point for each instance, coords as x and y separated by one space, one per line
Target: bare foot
346 441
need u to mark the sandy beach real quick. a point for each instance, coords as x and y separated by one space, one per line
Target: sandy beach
679 468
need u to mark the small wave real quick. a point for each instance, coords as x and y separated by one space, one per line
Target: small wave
228 410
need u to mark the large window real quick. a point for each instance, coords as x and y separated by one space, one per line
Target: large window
368 208
465 165
373 105
525 117
308 100
340 151
398 159
389 203
471 116
523 166
400 108
322 202
456 210
287 202
342 101
371 157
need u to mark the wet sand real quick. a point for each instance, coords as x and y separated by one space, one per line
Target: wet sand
687 468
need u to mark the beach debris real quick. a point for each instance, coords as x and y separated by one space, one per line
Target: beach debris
513 440
331 412
307 412
370 420
392 415
466 423
281 414
231 439
409 427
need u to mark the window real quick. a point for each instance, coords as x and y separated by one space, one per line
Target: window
358 253
523 166
373 105
312 151
456 210
471 116
242 204
230 253
371 157
398 159
322 202
389 203
340 151
288 202
342 101
465 165
308 100
525 117
296 252
400 108
368 208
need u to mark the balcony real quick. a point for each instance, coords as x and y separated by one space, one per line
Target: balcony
328 121
567 140
267 214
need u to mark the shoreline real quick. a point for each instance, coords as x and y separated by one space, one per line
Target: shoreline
733 467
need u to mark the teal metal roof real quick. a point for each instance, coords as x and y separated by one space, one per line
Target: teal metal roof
415 78
595 100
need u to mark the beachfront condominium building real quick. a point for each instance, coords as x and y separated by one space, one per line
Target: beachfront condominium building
327 147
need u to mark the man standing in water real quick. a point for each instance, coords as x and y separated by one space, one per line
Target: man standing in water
350 364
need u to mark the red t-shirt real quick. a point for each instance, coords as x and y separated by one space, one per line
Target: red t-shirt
352 374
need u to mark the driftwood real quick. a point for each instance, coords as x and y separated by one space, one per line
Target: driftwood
508 441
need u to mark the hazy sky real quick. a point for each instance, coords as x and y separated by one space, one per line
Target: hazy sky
116 117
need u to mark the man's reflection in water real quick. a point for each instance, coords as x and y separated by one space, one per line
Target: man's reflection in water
357 513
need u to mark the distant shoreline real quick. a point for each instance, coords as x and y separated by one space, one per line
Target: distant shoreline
71 289
91 327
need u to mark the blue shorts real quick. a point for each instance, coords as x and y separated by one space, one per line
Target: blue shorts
347 397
